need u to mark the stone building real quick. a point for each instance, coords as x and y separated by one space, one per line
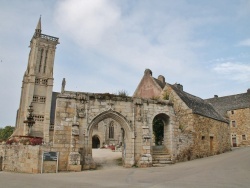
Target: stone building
159 124
235 108
200 130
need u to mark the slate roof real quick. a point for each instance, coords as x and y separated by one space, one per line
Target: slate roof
198 105
53 107
162 85
232 102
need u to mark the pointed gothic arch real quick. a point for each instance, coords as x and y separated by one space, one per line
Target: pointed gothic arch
128 147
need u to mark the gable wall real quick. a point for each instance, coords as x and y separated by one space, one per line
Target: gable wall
242 119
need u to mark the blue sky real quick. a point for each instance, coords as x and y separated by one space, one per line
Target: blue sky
105 45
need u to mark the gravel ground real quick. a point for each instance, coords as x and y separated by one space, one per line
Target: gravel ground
106 158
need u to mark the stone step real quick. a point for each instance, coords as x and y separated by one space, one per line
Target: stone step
161 162
162 154
159 165
164 159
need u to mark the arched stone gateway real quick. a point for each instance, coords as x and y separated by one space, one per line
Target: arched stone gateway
80 116
161 129
127 137
162 140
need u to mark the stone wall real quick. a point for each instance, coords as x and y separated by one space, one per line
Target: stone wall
196 136
241 130
21 158
28 159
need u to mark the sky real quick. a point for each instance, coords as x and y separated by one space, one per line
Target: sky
105 45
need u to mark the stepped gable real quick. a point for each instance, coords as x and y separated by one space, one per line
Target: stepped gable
232 102
198 105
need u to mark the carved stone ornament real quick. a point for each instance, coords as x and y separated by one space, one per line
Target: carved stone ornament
75 130
138 113
81 111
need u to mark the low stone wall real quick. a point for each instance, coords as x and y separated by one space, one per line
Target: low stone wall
29 159
20 158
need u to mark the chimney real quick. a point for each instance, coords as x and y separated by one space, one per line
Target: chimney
179 86
215 96
148 72
161 78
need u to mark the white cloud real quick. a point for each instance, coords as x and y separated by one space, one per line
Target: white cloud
245 42
234 71
87 21
139 39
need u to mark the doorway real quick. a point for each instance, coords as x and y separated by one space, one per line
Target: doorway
1 163
158 130
234 142
95 142
211 143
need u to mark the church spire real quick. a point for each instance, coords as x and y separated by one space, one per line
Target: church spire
38 28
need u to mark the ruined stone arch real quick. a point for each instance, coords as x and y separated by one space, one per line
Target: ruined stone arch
113 115
129 136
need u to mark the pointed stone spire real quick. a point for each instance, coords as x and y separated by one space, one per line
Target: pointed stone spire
38 28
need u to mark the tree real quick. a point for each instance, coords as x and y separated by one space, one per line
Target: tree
6 132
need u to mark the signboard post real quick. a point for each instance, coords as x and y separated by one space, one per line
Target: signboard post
50 156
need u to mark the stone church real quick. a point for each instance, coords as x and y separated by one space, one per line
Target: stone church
159 124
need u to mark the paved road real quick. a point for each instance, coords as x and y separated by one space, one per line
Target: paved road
231 169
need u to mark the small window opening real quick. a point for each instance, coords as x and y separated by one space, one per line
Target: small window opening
233 123
244 137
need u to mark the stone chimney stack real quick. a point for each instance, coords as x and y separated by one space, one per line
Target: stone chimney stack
148 72
179 86
161 78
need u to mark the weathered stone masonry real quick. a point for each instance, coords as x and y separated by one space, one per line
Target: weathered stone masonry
81 111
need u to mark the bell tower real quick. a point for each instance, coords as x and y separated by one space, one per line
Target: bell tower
37 85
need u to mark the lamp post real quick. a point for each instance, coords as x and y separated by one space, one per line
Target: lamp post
30 119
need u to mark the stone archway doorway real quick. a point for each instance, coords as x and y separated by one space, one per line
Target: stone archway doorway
160 129
95 142
161 142
125 141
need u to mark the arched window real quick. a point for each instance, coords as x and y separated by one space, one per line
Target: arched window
41 58
111 129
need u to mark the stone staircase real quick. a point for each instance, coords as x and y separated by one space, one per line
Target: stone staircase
161 156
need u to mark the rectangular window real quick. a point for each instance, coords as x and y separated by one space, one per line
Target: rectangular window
232 112
42 99
44 81
244 137
37 81
38 117
233 123
35 98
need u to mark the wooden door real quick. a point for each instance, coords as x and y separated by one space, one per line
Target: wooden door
211 143
234 142
1 163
